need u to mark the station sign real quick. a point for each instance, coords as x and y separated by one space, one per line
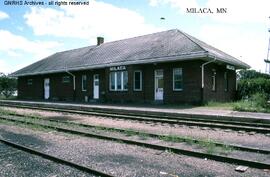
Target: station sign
230 67
117 68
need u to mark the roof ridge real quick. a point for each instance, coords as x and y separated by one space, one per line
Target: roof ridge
117 40
139 36
189 37
69 50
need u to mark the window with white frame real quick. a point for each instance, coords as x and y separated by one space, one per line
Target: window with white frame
213 81
65 79
177 79
29 81
226 81
137 80
119 81
84 81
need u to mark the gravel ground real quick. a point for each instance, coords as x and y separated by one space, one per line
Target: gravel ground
200 147
18 163
226 136
120 159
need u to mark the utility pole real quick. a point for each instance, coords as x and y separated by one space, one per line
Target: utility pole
267 60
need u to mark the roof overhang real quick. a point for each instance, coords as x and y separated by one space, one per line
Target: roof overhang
183 57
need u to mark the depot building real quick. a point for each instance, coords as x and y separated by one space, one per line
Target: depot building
164 67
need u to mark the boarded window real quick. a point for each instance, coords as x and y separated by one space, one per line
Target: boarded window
65 79
29 81
177 79
84 81
137 80
226 85
213 80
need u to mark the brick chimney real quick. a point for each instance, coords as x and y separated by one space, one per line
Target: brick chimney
100 40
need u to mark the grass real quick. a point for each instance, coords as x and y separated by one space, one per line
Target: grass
2 97
207 144
242 105
22 125
250 106
172 138
221 105
6 112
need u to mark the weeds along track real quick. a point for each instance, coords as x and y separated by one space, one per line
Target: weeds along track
222 124
176 150
171 138
54 158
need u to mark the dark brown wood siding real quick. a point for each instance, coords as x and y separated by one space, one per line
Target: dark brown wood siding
191 93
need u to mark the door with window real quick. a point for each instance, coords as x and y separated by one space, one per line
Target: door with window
159 84
46 88
96 86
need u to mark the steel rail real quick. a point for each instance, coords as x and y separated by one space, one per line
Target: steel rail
192 122
153 135
54 158
219 158
148 115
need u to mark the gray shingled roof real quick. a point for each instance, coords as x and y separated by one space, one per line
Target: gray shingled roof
172 45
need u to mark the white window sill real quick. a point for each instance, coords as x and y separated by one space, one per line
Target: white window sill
178 90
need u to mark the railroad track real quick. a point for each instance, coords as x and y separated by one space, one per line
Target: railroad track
135 132
220 158
222 124
55 159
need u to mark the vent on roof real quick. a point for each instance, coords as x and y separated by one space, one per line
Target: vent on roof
100 40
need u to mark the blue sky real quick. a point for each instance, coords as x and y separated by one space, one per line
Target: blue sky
30 33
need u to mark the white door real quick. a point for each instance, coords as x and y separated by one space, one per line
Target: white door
159 84
96 86
46 88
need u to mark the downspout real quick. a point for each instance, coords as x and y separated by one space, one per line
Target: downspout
74 84
202 67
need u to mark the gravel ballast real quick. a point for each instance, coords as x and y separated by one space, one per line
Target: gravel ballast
227 136
120 159
15 162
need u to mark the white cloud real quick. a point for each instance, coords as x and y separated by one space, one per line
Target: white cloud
3 15
238 11
15 45
153 2
241 11
181 5
246 46
88 22
4 67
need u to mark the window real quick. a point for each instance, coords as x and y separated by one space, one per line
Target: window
177 79
65 79
119 81
29 81
137 80
225 81
112 81
213 82
84 80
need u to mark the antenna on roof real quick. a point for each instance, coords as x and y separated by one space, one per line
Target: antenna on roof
267 60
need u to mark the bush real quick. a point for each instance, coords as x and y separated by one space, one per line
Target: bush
8 86
248 87
259 100
251 74
256 103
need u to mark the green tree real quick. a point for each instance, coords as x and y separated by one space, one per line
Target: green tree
251 82
8 85
251 74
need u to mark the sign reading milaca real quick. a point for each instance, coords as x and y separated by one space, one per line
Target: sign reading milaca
117 68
